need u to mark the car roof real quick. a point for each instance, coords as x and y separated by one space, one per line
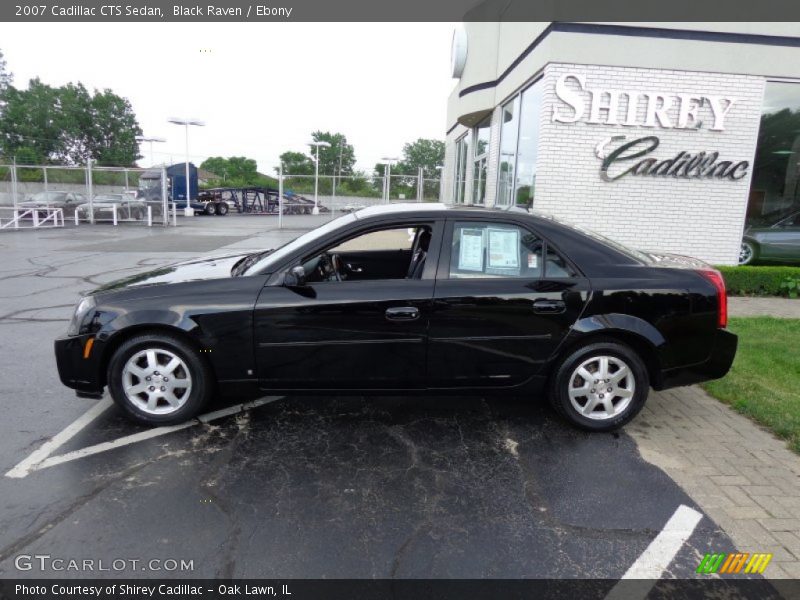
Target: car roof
427 208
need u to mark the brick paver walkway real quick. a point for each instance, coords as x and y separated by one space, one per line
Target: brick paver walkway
769 307
745 478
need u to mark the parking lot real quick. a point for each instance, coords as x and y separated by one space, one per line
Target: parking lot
345 487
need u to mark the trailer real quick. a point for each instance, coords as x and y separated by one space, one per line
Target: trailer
260 201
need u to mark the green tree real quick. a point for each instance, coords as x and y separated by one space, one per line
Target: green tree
296 163
68 124
424 153
339 153
6 78
236 171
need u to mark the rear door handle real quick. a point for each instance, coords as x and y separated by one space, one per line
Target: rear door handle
549 307
402 313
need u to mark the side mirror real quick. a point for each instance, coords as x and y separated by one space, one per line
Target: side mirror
295 277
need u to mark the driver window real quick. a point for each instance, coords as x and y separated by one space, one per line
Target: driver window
394 253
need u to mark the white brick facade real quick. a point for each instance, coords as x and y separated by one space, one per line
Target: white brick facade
698 217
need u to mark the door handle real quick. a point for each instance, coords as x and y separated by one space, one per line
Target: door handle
549 307
402 313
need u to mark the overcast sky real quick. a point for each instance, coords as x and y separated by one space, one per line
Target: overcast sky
261 88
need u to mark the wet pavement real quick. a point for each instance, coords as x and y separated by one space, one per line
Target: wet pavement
337 487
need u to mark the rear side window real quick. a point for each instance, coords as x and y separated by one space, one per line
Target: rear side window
486 250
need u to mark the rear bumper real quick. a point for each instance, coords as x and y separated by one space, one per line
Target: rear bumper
75 371
715 366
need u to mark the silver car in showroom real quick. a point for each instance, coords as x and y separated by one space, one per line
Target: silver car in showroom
771 239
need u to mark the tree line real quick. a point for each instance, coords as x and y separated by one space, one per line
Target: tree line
67 124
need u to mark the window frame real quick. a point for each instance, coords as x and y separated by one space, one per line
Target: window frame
431 260
462 146
479 163
446 252
516 97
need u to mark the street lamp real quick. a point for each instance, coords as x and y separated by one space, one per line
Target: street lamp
144 138
317 144
388 161
186 123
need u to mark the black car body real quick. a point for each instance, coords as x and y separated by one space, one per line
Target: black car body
473 300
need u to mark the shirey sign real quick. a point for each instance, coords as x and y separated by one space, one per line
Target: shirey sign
621 155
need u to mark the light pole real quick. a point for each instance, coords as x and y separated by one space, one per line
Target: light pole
144 138
388 161
317 144
186 123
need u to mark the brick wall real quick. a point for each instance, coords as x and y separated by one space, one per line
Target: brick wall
698 217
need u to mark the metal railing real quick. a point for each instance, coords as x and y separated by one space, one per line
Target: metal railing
89 193
30 218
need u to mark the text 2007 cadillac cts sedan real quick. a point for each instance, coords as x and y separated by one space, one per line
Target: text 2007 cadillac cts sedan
404 299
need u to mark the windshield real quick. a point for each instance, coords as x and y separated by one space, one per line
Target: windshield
266 264
641 256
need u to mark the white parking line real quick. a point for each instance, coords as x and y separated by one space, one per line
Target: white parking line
657 557
41 458
50 446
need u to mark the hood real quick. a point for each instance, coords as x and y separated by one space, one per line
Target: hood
675 261
218 267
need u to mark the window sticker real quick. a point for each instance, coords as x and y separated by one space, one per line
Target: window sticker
533 261
470 252
504 249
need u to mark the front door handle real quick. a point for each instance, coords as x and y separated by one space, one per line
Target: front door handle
402 313
549 307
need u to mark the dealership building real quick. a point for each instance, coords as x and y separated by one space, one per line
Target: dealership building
663 136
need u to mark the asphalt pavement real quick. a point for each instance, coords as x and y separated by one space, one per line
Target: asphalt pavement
343 487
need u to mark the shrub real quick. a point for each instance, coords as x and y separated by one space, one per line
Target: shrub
758 281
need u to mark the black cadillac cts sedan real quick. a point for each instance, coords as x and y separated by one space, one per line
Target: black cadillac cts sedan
402 299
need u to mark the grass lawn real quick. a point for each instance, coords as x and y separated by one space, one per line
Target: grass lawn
764 382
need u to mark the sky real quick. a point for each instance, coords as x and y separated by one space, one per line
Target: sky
261 88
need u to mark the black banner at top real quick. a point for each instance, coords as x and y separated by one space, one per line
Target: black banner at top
392 10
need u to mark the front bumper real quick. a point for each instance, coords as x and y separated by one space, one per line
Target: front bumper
715 366
76 372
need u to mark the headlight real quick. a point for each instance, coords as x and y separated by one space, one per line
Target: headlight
86 304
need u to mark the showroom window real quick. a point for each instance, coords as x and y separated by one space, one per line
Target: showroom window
519 146
482 250
462 156
509 129
481 150
776 172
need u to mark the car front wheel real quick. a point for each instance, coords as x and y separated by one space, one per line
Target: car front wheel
747 253
159 380
600 387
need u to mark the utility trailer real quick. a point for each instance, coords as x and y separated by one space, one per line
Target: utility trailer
260 201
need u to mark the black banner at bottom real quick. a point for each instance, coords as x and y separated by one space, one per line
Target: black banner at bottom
413 589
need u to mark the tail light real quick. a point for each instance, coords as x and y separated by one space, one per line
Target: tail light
715 277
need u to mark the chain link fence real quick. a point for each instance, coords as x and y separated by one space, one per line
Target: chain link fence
347 193
89 194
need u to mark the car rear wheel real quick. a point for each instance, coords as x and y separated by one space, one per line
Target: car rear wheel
600 387
748 253
211 209
159 380
222 209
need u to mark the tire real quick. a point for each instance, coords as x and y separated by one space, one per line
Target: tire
133 361
614 409
211 209
748 253
222 209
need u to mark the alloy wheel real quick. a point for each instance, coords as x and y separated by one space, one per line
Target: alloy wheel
745 254
601 387
156 381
